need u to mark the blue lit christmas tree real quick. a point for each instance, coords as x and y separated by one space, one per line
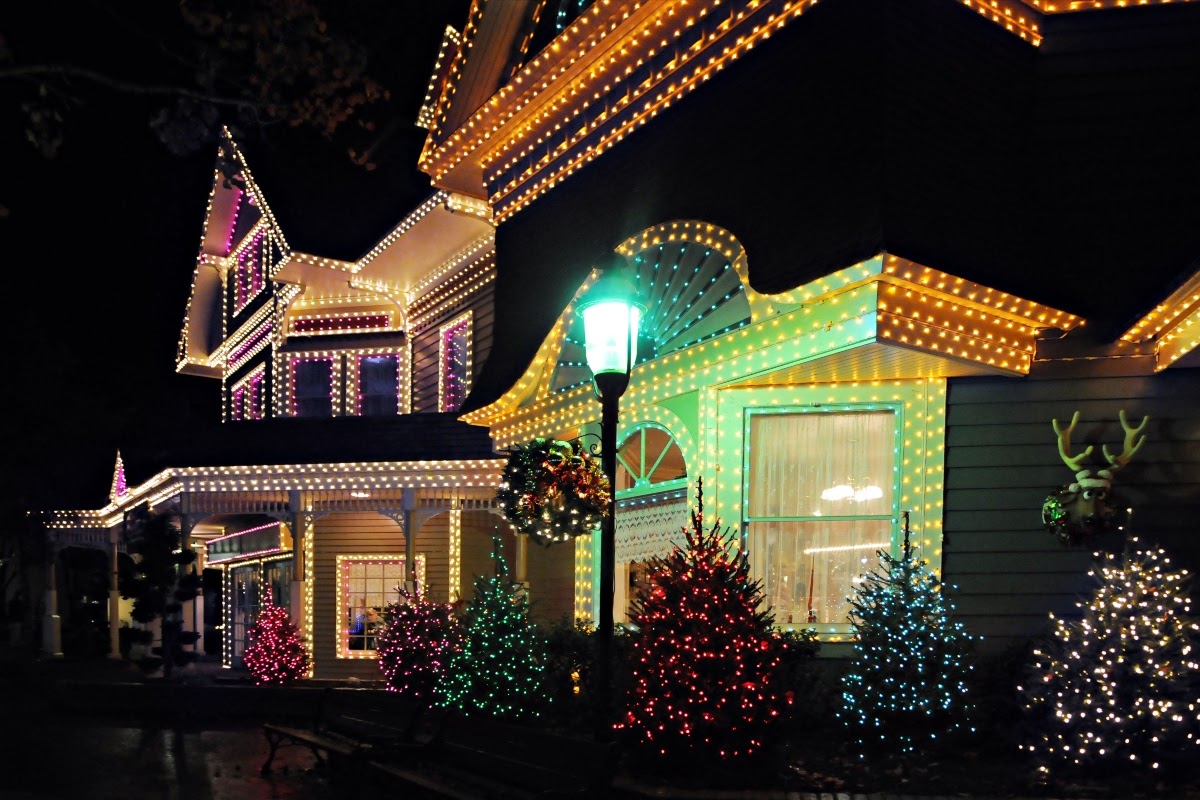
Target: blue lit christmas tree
906 686
1118 688
497 671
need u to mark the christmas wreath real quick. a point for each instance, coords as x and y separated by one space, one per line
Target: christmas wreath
1072 530
553 490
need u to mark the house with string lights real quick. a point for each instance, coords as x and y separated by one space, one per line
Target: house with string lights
909 269
339 475
927 265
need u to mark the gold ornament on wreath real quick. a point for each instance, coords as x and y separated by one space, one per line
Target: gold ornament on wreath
553 490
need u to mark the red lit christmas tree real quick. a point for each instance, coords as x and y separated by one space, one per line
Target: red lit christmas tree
276 653
703 664
415 646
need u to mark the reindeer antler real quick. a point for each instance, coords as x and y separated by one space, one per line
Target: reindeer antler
1064 444
1130 447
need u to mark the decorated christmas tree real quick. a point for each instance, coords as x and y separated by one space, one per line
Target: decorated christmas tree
497 671
276 653
416 645
703 684
1119 688
906 687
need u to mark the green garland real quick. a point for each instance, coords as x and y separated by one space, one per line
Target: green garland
1073 532
553 490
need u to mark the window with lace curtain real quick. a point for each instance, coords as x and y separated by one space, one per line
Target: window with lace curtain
820 500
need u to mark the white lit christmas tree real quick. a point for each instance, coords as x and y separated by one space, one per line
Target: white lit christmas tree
1118 687
907 685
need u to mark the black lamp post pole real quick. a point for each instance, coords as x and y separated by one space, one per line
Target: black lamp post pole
610 387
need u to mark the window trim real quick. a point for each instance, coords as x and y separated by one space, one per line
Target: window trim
249 257
758 567
341 577
463 319
248 410
354 378
335 380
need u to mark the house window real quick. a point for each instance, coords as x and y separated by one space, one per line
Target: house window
248 275
378 385
648 459
366 586
820 502
454 362
312 387
246 399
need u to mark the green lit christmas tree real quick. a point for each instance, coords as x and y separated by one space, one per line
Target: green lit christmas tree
498 670
1118 688
416 645
906 688
703 687
276 653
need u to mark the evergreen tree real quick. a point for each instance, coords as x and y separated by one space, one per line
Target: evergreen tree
1118 687
906 688
276 653
416 645
498 670
703 683
159 584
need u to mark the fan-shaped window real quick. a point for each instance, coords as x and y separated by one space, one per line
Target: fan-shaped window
692 292
649 460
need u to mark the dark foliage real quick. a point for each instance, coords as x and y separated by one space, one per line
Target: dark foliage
162 580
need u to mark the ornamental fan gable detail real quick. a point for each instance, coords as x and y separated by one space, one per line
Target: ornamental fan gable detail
886 318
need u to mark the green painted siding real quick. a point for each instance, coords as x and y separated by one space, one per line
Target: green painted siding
1002 461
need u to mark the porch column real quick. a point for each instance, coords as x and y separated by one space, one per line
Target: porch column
52 623
193 610
408 502
300 522
114 594
521 568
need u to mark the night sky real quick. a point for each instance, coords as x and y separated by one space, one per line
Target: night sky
99 242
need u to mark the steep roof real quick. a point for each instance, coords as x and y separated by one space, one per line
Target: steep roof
1064 173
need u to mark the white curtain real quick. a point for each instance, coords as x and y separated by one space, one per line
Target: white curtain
826 483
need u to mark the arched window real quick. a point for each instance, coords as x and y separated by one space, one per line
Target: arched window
649 460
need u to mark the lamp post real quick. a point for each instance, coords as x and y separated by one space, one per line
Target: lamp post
611 314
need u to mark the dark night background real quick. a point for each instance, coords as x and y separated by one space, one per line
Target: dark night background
99 242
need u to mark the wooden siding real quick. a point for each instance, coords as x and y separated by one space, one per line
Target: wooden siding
549 571
364 533
551 575
425 345
477 530
1002 461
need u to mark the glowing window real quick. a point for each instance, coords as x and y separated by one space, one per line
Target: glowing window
820 502
366 586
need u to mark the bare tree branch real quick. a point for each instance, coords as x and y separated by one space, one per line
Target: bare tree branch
99 78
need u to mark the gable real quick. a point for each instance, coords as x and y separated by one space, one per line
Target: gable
236 210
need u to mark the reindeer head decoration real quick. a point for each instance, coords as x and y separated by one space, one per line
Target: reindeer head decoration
1084 508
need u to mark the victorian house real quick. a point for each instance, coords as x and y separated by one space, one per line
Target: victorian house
883 246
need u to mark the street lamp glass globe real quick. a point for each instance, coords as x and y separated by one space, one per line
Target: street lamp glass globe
610 336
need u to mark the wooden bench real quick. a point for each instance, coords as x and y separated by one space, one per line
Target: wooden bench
481 759
355 723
